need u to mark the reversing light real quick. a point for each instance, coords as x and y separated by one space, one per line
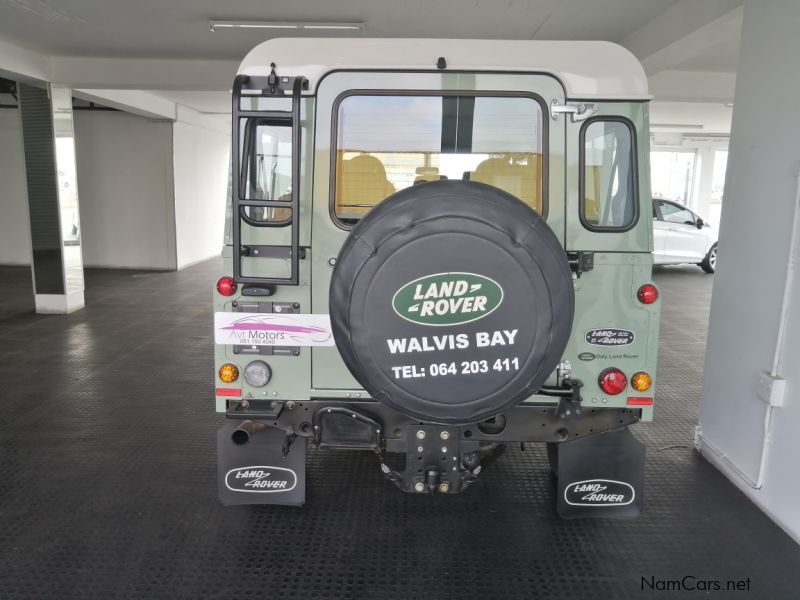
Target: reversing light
641 381
612 381
226 286
228 373
647 294
257 373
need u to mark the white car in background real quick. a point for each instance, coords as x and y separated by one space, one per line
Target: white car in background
680 236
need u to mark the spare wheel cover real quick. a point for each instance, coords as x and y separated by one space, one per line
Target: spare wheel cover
451 301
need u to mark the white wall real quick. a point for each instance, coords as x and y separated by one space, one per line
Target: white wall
125 190
152 193
201 157
15 230
749 284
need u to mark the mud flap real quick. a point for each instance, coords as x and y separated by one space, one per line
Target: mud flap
257 472
600 476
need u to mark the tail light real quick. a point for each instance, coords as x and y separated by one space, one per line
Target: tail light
641 381
647 294
226 286
228 373
612 381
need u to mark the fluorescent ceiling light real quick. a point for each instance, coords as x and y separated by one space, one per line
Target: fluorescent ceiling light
214 25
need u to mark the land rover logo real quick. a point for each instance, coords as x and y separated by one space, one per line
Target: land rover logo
599 492
447 298
260 479
609 337
586 356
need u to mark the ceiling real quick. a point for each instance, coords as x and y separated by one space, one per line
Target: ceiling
699 118
179 28
202 101
689 37
722 56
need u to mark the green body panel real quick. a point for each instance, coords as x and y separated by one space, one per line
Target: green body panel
605 296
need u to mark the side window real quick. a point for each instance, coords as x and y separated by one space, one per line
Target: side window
608 184
673 213
266 169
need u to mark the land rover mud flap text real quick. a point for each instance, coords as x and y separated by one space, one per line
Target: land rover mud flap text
600 475
257 472
451 301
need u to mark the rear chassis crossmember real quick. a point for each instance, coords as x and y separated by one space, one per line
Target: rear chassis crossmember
431 457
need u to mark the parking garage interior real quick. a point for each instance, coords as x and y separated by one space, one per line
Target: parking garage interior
107 433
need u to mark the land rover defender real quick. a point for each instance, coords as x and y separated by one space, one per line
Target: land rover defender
436 248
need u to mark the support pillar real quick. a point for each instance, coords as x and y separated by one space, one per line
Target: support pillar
702 201
750 411
49 146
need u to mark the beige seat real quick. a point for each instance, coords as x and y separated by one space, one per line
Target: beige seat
361 183
521 180
425 174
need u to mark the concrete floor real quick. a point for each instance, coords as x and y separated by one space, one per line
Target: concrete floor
108 479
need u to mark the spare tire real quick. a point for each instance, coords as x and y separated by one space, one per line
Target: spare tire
451 301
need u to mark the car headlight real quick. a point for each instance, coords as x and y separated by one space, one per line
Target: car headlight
257 373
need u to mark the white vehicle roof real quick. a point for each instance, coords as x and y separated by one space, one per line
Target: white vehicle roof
588 70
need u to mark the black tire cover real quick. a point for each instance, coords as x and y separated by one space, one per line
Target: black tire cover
451 301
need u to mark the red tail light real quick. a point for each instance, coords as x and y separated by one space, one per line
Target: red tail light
612 381
647 294
226 286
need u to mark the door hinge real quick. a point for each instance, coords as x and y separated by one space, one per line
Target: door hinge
579 112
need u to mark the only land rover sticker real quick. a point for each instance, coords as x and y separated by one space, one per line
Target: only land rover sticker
599 492
609 337
447 298
261 479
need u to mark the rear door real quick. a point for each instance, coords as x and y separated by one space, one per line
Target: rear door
608 190
380 132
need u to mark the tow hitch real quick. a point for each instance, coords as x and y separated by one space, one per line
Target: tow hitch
438 459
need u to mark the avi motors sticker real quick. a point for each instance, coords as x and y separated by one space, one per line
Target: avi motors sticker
268 329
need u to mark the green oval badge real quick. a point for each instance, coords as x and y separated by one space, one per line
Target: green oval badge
447 298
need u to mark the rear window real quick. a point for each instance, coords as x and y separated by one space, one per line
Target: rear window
386 143
608 192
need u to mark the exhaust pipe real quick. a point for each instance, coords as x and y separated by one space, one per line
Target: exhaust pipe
241 435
